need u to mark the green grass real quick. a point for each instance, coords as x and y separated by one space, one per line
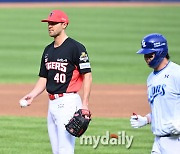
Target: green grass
27 135
23 136
111 35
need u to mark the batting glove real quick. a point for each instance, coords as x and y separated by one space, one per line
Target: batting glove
174 127
138 121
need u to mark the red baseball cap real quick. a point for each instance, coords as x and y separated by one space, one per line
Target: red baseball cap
57 16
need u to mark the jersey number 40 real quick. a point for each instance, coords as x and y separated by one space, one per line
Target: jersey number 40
60 77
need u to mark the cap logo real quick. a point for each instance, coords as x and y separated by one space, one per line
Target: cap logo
143 44
152 45
51 14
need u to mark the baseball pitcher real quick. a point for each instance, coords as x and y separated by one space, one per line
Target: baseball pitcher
64 67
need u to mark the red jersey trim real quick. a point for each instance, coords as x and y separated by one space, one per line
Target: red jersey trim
76 82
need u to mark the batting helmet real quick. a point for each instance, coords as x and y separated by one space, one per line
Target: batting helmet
157 44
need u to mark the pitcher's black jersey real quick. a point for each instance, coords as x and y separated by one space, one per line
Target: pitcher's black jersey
64 66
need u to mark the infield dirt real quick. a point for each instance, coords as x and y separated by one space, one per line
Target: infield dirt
105 100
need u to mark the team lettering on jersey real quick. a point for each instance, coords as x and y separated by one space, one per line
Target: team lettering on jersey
155 91
56 66
59 77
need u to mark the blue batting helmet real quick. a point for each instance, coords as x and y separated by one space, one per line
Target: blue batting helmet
157 44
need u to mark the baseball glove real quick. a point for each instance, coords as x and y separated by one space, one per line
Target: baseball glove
79 122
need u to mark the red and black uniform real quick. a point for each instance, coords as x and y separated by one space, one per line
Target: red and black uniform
63 66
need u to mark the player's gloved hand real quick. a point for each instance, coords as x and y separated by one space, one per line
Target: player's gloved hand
174 126
138 121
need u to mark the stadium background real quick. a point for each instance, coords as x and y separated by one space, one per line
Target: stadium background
119 74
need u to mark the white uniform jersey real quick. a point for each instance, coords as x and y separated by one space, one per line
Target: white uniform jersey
164 97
